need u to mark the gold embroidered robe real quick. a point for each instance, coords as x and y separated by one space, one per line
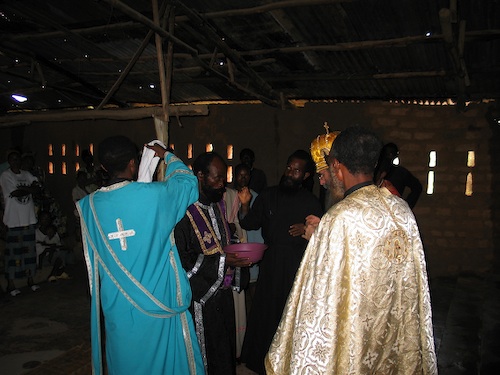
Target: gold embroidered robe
360 303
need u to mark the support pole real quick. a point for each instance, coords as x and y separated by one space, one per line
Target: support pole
161 122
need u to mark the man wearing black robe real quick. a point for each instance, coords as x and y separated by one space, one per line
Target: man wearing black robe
201 236
281 212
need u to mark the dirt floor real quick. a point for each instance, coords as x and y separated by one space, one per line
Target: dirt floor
47 332
54 318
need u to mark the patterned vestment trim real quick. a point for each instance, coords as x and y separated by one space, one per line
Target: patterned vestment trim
94 289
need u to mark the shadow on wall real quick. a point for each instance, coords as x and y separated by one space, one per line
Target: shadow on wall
493 117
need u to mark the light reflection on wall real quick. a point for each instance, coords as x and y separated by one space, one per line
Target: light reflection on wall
471 163
430 174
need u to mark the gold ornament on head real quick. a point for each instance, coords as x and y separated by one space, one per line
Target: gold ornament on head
320 148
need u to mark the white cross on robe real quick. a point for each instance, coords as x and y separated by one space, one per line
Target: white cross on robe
121 234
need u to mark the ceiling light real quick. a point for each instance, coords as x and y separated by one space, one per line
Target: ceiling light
151 86
19 98
428 34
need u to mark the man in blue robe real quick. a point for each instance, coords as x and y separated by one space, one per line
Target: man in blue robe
135 274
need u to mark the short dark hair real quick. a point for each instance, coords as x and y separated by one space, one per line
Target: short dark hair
249 152
81 174
241 166
390 150
203 160
358 149
116 152
306 156
13 152
27 156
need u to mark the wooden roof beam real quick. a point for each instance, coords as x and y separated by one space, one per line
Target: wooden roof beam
445 17
241 64
263 8
59 69
30 13
135 25
194 53
130 64
14 119
331 77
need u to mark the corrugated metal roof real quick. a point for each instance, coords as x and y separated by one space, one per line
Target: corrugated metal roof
67 54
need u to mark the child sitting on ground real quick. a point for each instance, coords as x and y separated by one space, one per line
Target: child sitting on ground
48 248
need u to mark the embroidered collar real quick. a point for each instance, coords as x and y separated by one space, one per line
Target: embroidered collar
204 206
115 186
211 236
356 187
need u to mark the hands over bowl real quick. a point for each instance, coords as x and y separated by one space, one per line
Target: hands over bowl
252 250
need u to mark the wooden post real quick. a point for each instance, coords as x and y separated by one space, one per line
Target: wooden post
161 122
161 128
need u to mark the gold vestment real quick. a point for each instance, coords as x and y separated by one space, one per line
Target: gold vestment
360 302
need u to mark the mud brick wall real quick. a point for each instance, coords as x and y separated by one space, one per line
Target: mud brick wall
460 232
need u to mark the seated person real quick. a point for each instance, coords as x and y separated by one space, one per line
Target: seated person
48 248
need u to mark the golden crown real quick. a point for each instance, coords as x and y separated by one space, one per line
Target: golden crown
320 148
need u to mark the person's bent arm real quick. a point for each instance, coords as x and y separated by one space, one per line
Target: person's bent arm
415 190
251 218
245 198
312 223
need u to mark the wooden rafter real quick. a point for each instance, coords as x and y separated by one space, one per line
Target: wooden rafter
116 114
194 53
231 54
452 43
59 69
280 44
126 71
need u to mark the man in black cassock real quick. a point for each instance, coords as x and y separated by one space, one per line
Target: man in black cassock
281 212
201 236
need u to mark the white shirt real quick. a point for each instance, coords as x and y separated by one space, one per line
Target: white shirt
19 211
42 237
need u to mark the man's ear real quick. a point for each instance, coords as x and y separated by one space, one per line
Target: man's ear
335 168
341 171
200 175
132 165
339 174
306 175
